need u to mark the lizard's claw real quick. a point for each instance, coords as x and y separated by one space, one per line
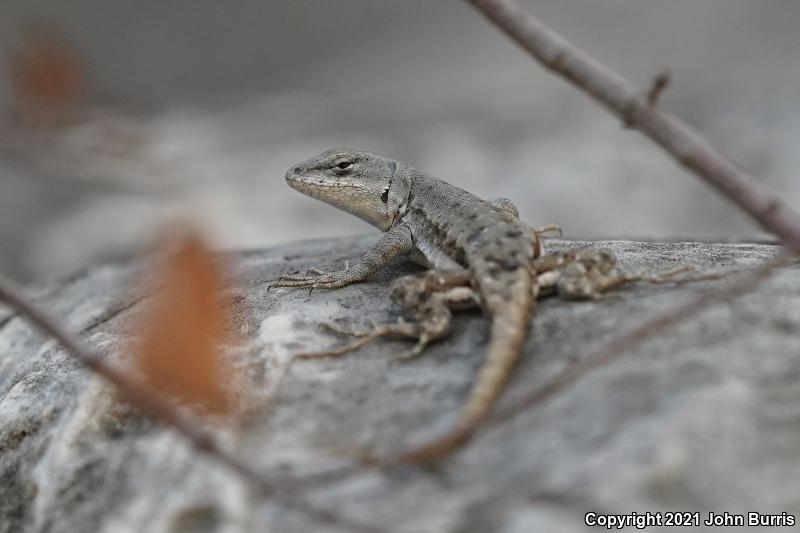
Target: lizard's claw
548 228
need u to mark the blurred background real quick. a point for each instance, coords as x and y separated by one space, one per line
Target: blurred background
119 116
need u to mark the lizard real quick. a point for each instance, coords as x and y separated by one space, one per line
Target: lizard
478 252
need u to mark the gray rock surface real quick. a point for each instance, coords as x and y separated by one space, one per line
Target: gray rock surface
703 417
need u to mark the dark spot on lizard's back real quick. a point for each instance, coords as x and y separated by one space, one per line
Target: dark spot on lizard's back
509 263
505 263
493 270
513 233
460 256
474 234
455 252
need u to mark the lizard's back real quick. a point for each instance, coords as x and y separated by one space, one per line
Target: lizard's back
454 228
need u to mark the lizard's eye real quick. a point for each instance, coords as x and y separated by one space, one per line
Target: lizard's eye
343 166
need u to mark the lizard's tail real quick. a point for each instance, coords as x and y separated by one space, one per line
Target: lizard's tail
510 312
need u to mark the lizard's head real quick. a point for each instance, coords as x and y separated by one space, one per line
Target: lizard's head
356 182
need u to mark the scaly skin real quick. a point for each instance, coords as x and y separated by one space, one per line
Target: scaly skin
479 253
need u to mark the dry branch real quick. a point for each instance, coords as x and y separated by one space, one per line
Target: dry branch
623 99
133 390
160 408
660 82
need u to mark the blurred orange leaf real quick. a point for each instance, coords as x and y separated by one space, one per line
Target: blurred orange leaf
47 77
181 335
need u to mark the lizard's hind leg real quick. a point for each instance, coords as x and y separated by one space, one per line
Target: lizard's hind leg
426 300
587 273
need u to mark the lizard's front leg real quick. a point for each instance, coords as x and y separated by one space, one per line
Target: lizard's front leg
394 242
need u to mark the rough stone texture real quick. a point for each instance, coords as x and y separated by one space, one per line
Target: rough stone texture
703 417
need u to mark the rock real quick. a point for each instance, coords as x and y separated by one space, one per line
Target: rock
703 417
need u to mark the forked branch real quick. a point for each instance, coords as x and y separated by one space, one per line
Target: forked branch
623 99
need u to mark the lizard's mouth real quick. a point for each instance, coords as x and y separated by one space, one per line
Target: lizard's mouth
306 184
337 193
302 183
292 177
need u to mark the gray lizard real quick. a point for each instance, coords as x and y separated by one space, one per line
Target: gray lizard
479 252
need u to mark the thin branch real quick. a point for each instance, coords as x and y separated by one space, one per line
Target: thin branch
7 319
112 313
623 99
163 410
133 390
614 349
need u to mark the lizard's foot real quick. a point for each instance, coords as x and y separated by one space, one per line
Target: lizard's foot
311 273
400 328
548 228
316 278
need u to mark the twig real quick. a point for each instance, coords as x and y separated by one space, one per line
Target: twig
623 99
660 82
112 313
734 288
160 408
657 86
7 319
132 389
